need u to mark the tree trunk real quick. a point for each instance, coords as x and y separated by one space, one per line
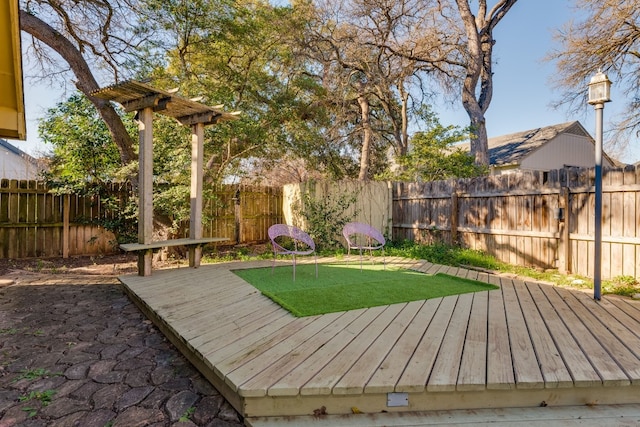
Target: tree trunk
86 82
479 31
479 138
366 138
404 138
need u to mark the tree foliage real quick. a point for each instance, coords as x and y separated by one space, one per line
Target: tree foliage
83 150
236 54
435 154
363 55
606 36
335 86
85 159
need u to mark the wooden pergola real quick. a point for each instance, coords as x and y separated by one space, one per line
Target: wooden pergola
146 100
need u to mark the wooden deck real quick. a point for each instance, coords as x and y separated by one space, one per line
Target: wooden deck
524 345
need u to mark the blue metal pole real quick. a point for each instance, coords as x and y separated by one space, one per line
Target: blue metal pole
598 205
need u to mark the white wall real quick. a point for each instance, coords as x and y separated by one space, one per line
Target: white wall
13 166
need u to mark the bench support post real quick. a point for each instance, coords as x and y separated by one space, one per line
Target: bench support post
144 262
195 256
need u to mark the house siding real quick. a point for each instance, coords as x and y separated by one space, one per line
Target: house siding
564 150
15 164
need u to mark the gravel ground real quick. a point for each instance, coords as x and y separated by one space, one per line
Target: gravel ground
75 351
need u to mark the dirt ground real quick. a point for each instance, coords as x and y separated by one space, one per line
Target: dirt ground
115 264
100 265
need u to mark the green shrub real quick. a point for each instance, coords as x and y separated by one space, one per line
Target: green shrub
326 217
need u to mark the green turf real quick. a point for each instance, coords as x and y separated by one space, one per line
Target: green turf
342 287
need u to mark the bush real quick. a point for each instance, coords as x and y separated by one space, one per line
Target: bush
326 217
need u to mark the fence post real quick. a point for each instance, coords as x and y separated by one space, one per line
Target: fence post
65 225
389 224
454 217
237 213
564 245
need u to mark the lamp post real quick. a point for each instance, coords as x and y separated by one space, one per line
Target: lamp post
599 93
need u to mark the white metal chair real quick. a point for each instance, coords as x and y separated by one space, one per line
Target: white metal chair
303 244
363 237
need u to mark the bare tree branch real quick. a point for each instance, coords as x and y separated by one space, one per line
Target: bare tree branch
85 80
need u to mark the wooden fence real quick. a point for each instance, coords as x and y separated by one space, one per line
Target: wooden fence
35 223
372 201
540 219
243 213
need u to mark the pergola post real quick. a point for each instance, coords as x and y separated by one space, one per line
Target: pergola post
145 188
146 100
195 222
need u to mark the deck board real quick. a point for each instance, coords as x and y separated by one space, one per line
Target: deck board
293 382
576 362
473 366
418 368
260 384
606 366
355 380
624 305
622 327
445 370
326 378
218 350
288 335
515 346
388 373
500 374
247 364
584 308
525 364
235 316
551 365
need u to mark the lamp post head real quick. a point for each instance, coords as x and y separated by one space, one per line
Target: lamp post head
599 89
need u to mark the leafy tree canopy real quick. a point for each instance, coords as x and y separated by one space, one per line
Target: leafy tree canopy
83 150
434 154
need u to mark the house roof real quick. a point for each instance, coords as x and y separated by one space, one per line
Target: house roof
513 148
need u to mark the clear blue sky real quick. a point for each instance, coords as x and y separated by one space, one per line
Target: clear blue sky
522 93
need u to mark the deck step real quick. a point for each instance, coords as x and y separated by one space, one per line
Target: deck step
590 416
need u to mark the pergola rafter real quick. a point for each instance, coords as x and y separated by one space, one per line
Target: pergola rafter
146 100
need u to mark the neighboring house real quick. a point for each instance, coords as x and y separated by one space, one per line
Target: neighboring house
16 164
547 148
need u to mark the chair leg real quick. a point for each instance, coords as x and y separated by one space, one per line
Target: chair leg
360 259
316 259
294 267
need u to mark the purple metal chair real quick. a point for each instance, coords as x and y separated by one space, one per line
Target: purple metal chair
302 244
363 237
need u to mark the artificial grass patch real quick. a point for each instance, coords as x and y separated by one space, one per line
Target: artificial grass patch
342 287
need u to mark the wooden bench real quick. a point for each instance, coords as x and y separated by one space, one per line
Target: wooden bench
145 250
